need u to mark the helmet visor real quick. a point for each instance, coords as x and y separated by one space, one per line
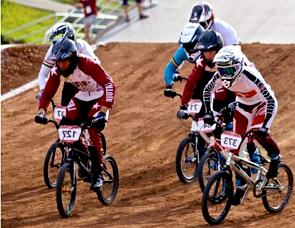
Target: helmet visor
228 72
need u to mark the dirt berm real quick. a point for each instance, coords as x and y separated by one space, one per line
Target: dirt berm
142 135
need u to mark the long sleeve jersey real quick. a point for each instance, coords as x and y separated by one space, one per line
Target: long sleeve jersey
250 89
90 79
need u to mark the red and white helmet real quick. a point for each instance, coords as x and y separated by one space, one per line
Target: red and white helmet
202 13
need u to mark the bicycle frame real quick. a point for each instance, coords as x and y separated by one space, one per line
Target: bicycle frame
236 162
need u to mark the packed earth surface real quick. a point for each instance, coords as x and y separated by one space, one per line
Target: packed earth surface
142 135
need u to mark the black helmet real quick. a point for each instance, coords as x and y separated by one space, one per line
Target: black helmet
64 49
210 40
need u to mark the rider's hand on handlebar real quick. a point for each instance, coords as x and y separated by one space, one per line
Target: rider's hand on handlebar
99 121
182 113
262 132
169 92
41 118
209 118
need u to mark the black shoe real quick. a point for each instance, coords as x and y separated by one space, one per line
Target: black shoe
98 183
239 195
142 16
273 169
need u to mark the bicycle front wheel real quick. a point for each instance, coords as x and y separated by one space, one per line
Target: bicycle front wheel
66 188
217 197
186 161
278 191
52 162
108 192
208 165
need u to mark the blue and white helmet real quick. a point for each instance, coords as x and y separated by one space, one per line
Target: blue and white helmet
60 30
189 38
229 62
202 13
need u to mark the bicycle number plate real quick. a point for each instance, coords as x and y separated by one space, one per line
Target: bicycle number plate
69 133
194 106
59 112
230 140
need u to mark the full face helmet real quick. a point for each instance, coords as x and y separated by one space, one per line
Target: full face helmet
202 13
229 62
189 37
62 50
60 30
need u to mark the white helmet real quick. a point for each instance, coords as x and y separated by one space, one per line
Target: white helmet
189 38
202 13
62 29
229 62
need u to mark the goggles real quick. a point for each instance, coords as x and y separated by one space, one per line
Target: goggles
228 72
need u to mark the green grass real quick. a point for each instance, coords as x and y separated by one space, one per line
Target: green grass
15 15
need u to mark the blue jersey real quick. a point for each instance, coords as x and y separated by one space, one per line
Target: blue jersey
178 58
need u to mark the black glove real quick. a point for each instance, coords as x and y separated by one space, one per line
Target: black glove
40 118
177 77
262 132
209 118
182 113
169 92
99 121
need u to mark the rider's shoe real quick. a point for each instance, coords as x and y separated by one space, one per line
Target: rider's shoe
239 195
98 182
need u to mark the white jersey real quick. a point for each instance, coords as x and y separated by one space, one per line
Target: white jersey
82 47
250 89
228 33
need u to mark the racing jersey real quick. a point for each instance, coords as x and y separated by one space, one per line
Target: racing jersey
228 33
88 77
82 47
250 89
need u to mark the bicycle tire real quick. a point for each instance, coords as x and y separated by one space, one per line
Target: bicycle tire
206 162
61 188
50 164
184 145
284 202
110 179
225 196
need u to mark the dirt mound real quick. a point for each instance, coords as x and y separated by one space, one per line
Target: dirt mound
142 135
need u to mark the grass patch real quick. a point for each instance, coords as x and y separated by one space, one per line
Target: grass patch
15 15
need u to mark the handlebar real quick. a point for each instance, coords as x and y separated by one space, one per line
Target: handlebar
178 77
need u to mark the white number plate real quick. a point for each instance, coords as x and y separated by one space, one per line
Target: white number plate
59 112
230 140
69 133
194 106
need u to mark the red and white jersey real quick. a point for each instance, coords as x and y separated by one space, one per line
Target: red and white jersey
90 79
82 47
250 89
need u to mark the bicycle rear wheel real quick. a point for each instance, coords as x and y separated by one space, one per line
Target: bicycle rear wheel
66 188
52 162
217 197
186 161
108 192
208 165
277 192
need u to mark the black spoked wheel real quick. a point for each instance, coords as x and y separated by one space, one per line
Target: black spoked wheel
187 160
108 192
277 192
217 197
208 165
66 188
52 162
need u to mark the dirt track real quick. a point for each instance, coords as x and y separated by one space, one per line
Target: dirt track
142 135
